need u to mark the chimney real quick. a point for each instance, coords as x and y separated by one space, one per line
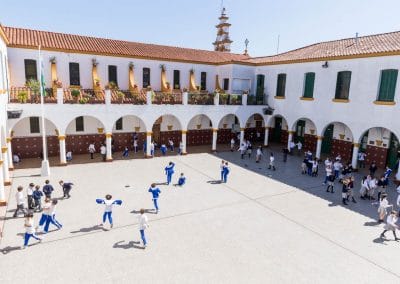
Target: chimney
356 39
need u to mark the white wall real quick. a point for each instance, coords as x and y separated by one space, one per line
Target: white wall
202 120
129 123
90 126
22 128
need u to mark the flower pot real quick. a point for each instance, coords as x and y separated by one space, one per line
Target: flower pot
137 128
341 136
379 142
169 127
312 131
100 130
225 125
198 126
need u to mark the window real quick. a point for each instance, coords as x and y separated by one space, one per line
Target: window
112 74
79 124
30 69
146 77
177 84
387 86
343 85
118 124
226 84
309 79
281 85
34 124
74 78
203 81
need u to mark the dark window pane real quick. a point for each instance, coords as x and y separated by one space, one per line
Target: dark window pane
203 81
343 85
309 85
34 124
177 84
281 85
387 86
79 124
30 69
74 77
146 77
112 74
118 124
226 84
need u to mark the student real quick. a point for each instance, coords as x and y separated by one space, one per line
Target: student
383 205
135 145
337 166
271 162
249 148
45 214
47 189
108 202
328 167
125 153
91 150
16 159
29 230
365 182
232 144
350 187
51 218
314 167
143 225
299 147
68 156
304 166
19 196
222 170
169 171
171 144
258 154
103 152
29 193
242 150
386 174
163 149
152 147
373 168
344 191
155 191
331 183
181 180
361 159
37 198
180 149
391 225
226 171
66 187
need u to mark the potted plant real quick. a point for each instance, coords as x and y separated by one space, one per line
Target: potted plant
22 97
34 85
83 100
75 94
112 85
120 96
223 98
169 126
57 83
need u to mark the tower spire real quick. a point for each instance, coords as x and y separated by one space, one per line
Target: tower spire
223 42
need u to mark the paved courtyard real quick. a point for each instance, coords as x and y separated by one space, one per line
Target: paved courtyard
254 229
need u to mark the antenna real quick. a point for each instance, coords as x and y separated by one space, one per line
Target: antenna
222 5
277 46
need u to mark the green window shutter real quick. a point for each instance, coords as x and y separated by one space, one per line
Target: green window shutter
387 87
343 85
309 85
281 85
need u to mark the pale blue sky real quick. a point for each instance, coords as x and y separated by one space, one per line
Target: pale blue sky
192 23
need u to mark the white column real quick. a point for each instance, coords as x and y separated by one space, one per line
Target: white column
148 97
184 132
63 158
214 139
185 98
244 99
266 136
148 144
9 154
354 159
216 99
60 96
2 193
108 147
6 173
241 135
290 138
107 97
319 145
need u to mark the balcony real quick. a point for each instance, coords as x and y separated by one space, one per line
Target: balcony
25 95
160 98
200 99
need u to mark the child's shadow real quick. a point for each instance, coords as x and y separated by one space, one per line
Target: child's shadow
129 245
150 211
88 229
214 182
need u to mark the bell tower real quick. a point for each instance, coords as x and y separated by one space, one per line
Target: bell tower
223 42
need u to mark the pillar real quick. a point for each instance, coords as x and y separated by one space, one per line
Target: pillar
184 133
319 145
148 144
244 99
266 136
6 173
2 193
241 136
214 140
290 139
60 96
63 158
108 147
9 154
354 159
148 97
107 97
185 98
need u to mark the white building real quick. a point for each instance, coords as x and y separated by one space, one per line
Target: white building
336 97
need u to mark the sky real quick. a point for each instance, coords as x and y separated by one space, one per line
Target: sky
191 23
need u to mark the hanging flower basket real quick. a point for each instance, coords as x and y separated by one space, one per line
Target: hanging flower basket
198 126
312 131
225 125
379 142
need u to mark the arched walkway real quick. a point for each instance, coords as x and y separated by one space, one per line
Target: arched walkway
255 128
228 128
165 127
380 145
199 130
27 138
305 132
125 130
337 140
278 131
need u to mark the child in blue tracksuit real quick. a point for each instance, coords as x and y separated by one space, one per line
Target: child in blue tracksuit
125 153
29 230
169 171
163 149
109 202
225 170
181 180
51 218
222 170
155 191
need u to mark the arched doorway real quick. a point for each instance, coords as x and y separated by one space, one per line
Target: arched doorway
125 130
228 128
337 140
305 132
255 128
199 131
279 130
165 127
380 145
27 138
82 131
